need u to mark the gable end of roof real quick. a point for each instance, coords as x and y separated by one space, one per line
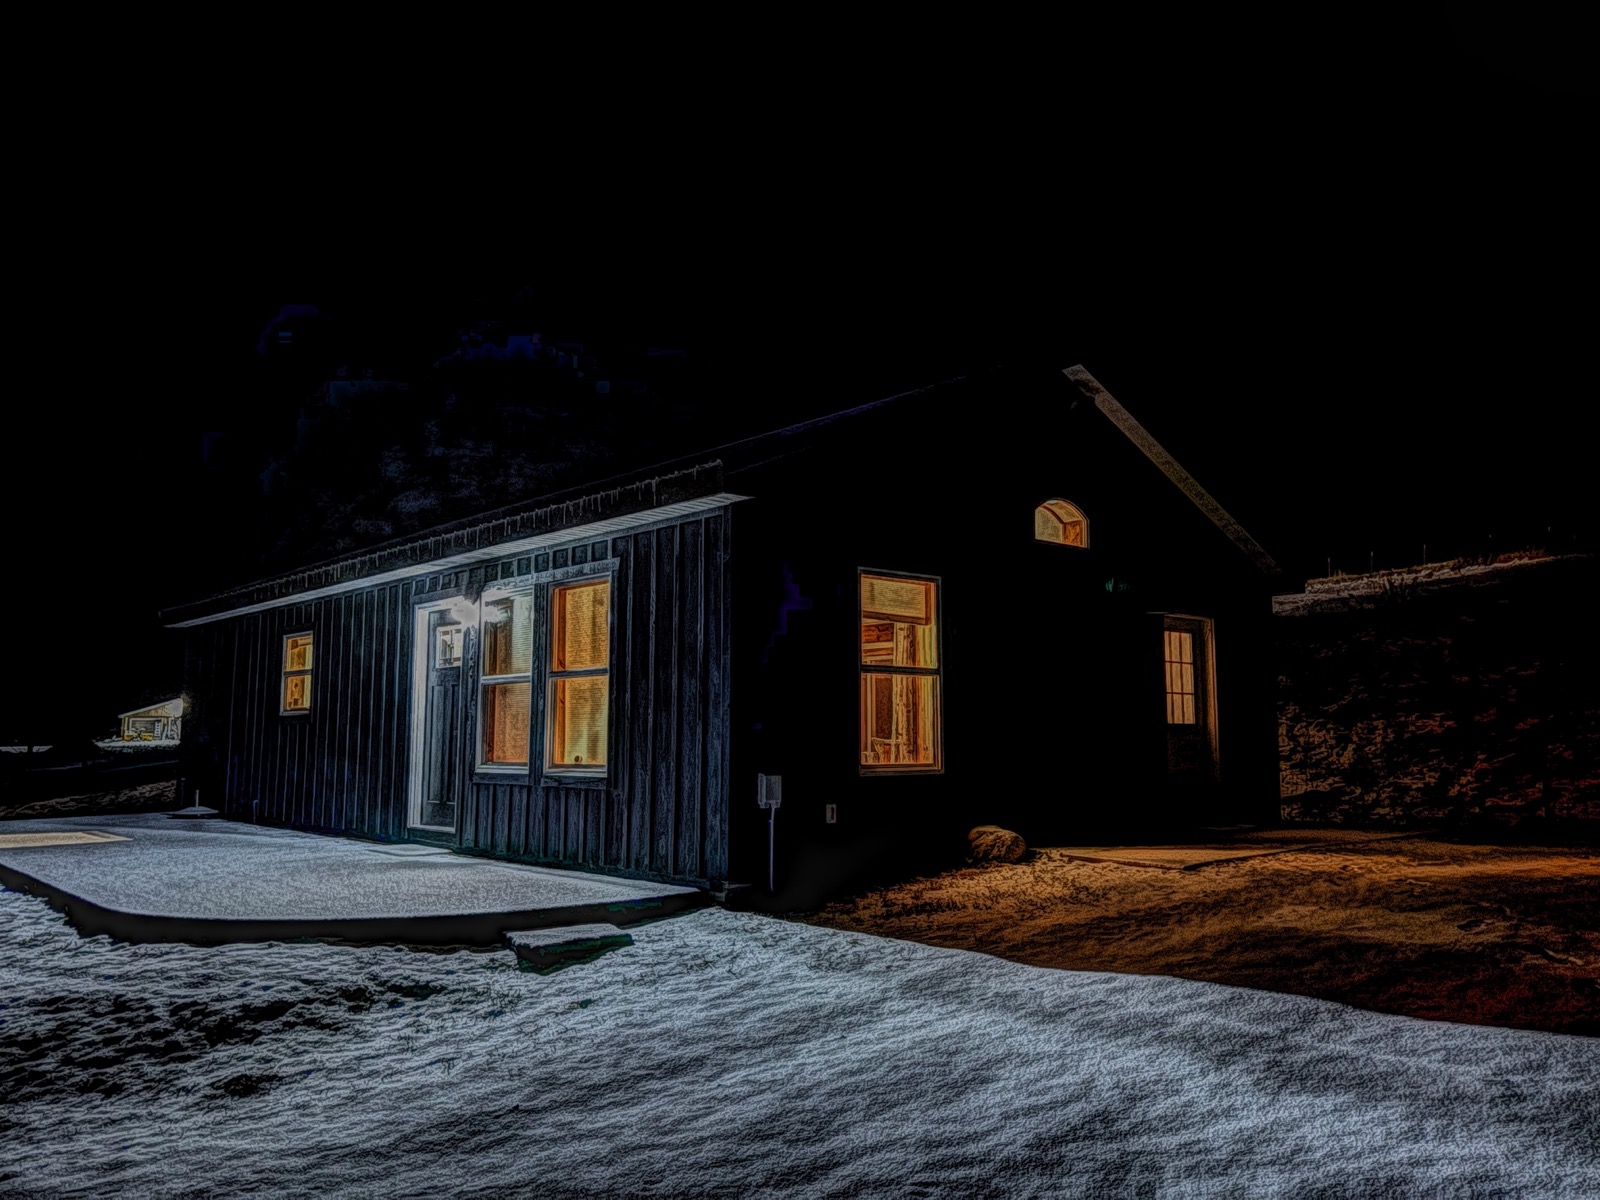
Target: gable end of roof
1171 468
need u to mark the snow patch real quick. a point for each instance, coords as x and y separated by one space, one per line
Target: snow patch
738 1054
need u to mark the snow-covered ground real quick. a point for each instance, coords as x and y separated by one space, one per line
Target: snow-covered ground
733 1054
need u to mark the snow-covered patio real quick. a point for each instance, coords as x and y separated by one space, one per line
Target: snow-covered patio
149 877
735 1054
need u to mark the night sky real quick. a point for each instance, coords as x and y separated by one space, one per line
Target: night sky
1348 283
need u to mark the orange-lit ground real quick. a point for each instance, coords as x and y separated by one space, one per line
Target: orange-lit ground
1496 935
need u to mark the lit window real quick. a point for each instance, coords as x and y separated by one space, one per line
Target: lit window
1062 523
507 679
296 673
1189 655
1180 677
447 646
580 676
900 721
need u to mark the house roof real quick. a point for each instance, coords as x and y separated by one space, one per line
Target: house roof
1170 467
162 708
598 509
679 487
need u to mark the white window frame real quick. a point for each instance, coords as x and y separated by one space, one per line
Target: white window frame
448 633
485 681
554 676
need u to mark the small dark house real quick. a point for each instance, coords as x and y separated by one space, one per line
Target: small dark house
994 600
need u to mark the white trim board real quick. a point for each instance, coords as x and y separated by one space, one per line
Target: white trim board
574 533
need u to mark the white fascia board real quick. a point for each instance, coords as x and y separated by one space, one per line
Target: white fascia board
165 708
574 533
1170 467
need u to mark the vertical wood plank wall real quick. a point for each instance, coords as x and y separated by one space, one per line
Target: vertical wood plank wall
662 810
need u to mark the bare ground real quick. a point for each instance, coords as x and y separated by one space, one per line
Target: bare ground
1481 934
146 797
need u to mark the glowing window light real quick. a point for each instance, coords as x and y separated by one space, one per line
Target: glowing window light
900 674
507 681
448 645
580 676
1180 677
296 694
1061 523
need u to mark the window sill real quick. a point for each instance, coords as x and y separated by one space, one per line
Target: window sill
507 774
555 779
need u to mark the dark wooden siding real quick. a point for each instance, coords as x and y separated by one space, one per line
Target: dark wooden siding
661 810
340 766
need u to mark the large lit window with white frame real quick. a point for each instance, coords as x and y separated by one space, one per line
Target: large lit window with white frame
506 683
295 696
580 677
900 668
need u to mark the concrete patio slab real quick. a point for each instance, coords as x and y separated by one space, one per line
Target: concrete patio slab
11 841
146 877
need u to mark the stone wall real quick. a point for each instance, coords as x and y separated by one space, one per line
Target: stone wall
1443 700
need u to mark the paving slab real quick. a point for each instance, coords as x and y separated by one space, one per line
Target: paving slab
9 841
548 950
146 877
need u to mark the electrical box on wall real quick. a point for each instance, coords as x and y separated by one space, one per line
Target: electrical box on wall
831 813
769 791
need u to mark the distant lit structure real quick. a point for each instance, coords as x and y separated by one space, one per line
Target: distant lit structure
161 722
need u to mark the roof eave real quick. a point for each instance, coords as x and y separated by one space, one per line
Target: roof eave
1171 468
581 514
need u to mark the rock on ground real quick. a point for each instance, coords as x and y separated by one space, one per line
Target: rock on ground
990 843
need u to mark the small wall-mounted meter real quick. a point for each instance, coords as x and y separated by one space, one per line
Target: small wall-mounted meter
769 790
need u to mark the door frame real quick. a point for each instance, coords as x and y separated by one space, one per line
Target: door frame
1205 661
421 662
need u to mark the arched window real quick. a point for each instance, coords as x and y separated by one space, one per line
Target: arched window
1062 523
